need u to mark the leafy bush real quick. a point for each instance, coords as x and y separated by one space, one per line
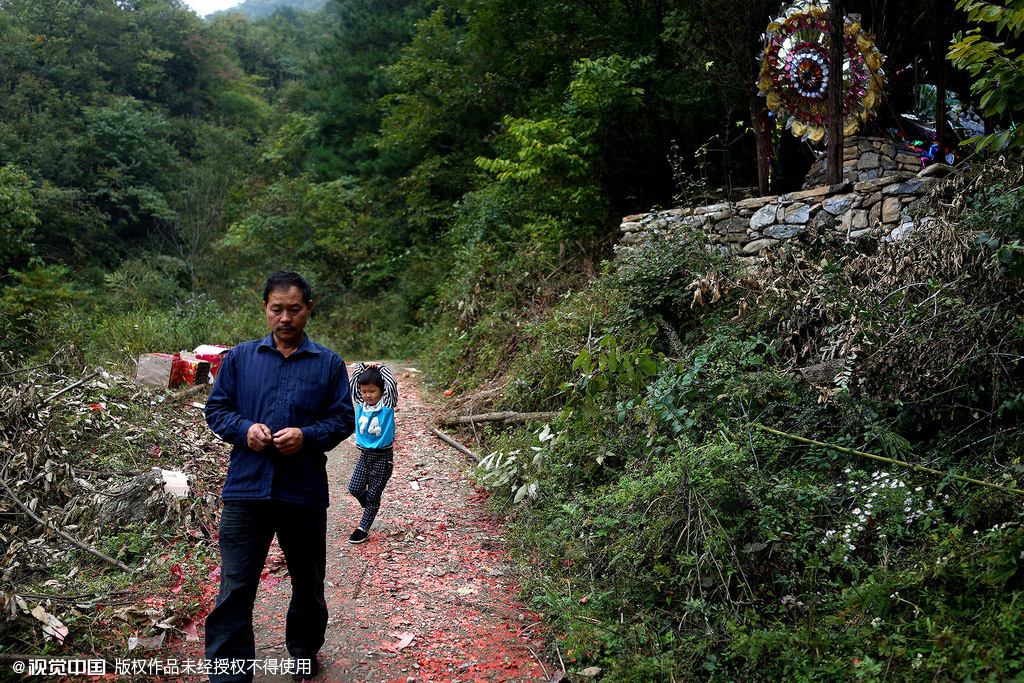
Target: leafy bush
543 364
996 211
35 304
17 217
664 277
113 327
994 67
498 278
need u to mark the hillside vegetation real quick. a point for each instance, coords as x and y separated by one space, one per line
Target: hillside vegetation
757 473
254 9
735 488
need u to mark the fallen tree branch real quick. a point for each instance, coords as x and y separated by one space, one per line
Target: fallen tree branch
546 675
872 456
109 473
14 372
76 384
67 537
455 444
502 417
191 391
34 367
79 598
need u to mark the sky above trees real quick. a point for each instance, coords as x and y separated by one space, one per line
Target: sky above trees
204 7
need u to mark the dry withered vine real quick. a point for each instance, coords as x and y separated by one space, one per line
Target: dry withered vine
908 319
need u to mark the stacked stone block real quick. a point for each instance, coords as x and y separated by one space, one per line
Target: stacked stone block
867 158
880 205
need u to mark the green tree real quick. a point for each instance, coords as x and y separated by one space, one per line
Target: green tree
278 49
98 103
131 163
557 159
257 9
350 80
436 117
34 301
17 215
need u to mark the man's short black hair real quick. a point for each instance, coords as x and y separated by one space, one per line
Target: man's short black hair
286 279
371 376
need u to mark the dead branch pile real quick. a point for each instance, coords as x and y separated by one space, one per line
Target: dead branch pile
908 319
80 458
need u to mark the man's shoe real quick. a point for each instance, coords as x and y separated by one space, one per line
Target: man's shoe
360 498
358 536
314 669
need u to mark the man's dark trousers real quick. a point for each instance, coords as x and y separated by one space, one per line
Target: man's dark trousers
246 531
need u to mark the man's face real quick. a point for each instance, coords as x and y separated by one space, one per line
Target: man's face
287 315
371 393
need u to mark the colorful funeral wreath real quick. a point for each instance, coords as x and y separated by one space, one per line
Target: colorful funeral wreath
795 71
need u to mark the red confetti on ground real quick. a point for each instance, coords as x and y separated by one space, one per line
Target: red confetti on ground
429 596
179 578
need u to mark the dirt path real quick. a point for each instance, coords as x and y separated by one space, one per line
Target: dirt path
428 596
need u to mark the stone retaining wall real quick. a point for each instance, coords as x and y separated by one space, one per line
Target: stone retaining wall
878 206
867 158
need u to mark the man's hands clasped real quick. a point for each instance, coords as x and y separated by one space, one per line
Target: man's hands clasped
287 440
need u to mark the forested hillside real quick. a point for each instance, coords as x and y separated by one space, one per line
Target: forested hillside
451 178
159 157
254 9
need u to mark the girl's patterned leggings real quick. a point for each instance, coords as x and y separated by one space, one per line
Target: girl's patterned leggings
371 475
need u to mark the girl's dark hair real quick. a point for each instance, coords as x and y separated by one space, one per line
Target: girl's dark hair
371 376
286 279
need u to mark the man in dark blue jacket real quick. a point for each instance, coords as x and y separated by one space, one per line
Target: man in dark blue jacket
282 402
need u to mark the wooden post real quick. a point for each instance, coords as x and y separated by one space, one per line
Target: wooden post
761 143
939 42
454 444
834 137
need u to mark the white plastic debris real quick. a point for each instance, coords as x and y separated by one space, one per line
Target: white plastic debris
175 483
